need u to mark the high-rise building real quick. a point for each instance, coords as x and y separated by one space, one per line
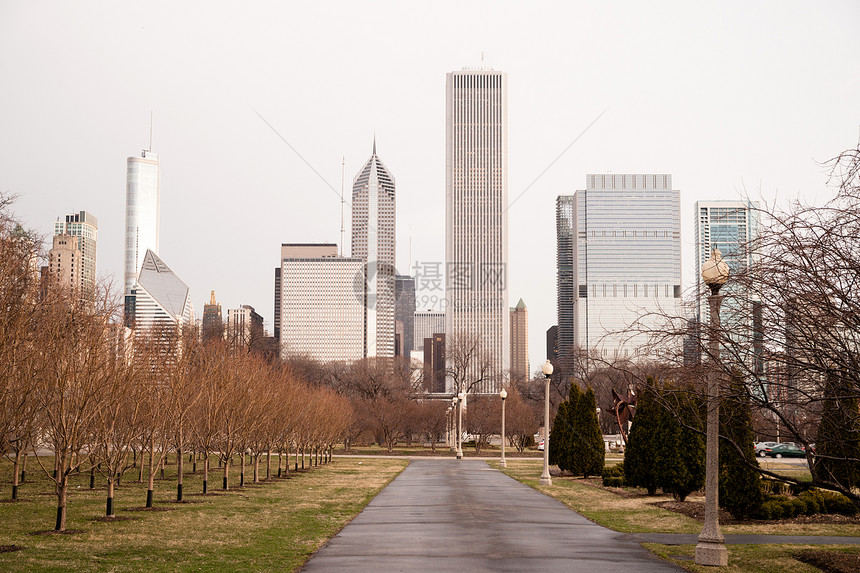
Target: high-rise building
552 344
161 298
733 228
213 323
85 227
296 251
434 363
141 218
373 228
566 287
520 342
65 262
427 323
404 313
244 326
626 261
322 303
476 207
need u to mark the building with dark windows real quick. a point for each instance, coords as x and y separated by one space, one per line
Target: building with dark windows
213 323
404 314
434 363
520 342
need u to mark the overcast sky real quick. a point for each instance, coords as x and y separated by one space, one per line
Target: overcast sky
729 98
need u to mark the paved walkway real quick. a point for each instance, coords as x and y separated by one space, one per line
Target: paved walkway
449 515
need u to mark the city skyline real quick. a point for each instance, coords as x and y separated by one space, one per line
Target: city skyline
755 113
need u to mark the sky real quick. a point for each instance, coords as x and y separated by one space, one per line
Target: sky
257 107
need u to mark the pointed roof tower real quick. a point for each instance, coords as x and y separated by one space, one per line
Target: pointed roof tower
163 285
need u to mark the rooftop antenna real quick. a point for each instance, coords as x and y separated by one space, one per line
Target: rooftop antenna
150 131
342 201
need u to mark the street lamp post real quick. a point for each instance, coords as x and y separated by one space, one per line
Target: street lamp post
503 394
544 477
711 549
460 397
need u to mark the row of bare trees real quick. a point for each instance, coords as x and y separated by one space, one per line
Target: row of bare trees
80 392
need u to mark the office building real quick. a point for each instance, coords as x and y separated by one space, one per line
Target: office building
85 227
619 251
141 218
213 323
404 314
65 263
427 323
296 251
162 300
434 363
322 303
373 228
476 204
552 344
244 326
520 342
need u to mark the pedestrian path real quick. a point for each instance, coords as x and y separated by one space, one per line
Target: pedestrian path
463 516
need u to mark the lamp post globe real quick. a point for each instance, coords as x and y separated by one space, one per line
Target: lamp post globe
503 394
547 372
711 548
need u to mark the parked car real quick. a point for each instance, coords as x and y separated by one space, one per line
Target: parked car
760 447
787 450
540 445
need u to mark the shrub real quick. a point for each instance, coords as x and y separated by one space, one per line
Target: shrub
613 481
613 476
740 484
586 444
640 467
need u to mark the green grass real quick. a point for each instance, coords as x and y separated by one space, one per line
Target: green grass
263 527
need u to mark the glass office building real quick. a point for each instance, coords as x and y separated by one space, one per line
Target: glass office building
141 218
619 260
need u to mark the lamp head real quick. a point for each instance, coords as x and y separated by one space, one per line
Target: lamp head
503 394
715 271
547 368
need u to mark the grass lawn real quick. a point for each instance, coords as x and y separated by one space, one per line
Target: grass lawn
262 527
639 515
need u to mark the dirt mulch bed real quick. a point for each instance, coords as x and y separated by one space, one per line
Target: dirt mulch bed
149 509
696 510
10 548
55 532
115 518
184 501
830 561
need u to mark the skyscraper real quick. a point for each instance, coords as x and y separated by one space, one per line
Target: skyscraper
626 261
476 203
566 287
373 212
244 326
520 342
427 323
733 228
65 262
322 303
141 217
85 227
161 298
213 324
404 313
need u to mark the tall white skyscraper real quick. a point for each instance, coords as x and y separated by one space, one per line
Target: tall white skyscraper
625 261
373 228
141 217
86 227
476 202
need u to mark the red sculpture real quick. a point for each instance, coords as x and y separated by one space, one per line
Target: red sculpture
624 409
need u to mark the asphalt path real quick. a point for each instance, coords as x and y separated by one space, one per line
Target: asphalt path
449 515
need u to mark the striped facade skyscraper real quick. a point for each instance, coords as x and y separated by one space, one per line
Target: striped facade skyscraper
85 227
476 202
619 244
373 228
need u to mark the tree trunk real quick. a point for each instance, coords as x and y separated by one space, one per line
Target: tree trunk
15 467
24 469
62 486
180 467
109 509
269 464
256 467
227 470
150 487
205 471
241 471
93 476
